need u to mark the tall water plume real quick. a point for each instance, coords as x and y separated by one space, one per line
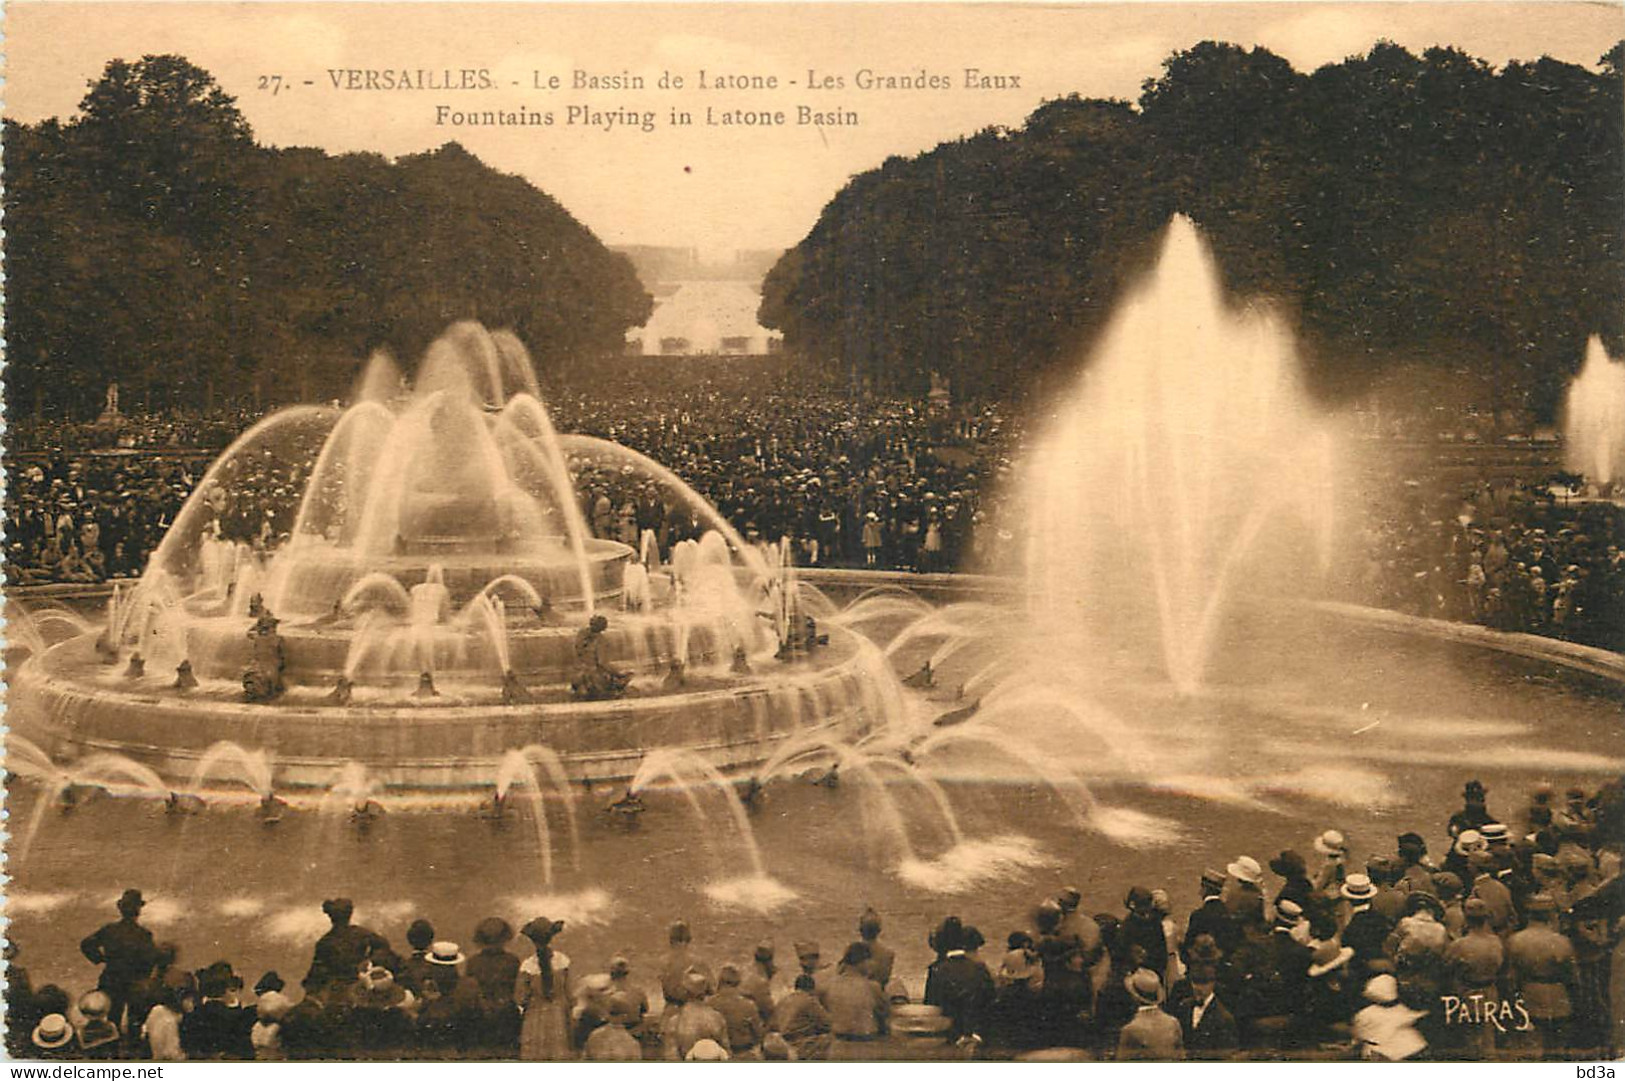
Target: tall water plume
1594 418
1183 461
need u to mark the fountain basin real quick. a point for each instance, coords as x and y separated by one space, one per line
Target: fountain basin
71 705
539 654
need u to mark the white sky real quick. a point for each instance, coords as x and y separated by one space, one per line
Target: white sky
713 187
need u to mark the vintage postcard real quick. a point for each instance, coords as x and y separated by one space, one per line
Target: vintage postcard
755 531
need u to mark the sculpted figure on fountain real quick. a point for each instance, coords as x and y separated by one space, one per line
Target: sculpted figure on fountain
594 680
262 679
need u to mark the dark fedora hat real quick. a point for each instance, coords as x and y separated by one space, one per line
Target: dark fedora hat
131 902
1288 864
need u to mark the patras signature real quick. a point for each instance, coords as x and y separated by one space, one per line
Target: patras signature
1486 1010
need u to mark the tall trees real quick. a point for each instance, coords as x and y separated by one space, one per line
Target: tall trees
981 259
1401 206
151 242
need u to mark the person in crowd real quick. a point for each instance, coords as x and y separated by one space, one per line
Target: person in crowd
161 1029
1488 887
416 968
756 983
857 1004
679 961
339 953
1417 873
620 979
958 985
746 1026
802 1020
1151 1035
1322 1019
810 958
1365 930
1143 928
381 1016
270 1010
96 1036
1243 890
219 1028
1212 917
1386 874
448 1020
1279 980
1065 984
1474 812
126 951
1333 851
1385 1030
495 974
693 1020
881 957
1207 1027
591 1009
613 1041
1543 970
1473 964
1296 888
543 995
1019 1018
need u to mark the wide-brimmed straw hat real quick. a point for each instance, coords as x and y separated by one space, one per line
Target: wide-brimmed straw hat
1246 869
1358 888
379 989
445 953
1329 957
52 1032
1017 965
1144 986
1331 843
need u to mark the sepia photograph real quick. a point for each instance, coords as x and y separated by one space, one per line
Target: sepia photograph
768 532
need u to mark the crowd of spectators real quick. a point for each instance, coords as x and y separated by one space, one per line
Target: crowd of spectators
848 480
174 431
1505 945
1513 554
886 483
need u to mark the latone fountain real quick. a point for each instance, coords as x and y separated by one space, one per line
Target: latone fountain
438 601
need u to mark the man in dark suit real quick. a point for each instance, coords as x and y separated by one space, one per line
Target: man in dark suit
1366 931
961 987
339 953
1282 978
1212 918
1208 1025
126 952
219 1028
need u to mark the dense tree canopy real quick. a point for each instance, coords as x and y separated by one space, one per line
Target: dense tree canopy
1418 208
151 242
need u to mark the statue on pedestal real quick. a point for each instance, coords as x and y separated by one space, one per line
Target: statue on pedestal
594 680
262 679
